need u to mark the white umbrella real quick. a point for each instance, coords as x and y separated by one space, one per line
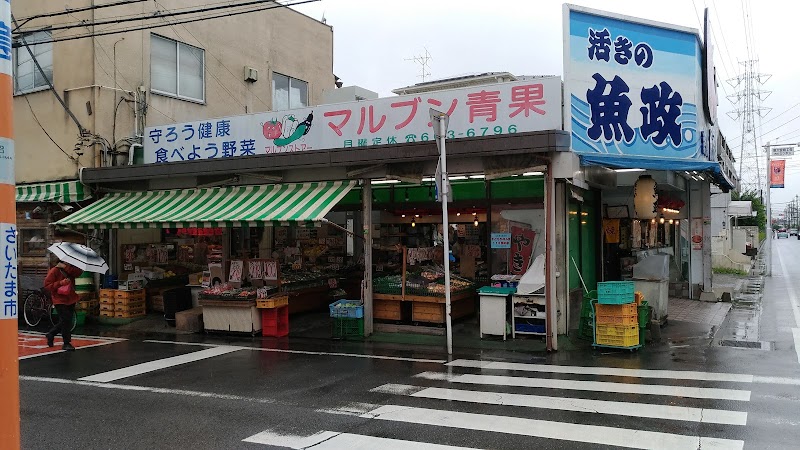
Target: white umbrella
79 256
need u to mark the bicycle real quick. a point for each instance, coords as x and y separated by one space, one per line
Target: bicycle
38 303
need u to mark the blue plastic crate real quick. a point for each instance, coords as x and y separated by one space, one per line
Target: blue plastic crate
350 309
615 292
530 328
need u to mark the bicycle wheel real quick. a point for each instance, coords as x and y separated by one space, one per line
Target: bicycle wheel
54 317
34 308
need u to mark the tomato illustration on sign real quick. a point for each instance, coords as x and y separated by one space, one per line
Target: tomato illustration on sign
288 130
272 129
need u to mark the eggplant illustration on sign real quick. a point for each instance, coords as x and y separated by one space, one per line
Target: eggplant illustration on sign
287 130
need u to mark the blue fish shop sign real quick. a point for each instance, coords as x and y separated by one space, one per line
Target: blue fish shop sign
632 87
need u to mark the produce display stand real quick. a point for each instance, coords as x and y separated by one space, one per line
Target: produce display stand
428 308
238 316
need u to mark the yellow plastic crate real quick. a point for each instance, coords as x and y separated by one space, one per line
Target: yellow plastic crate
617 335
272 302
614 341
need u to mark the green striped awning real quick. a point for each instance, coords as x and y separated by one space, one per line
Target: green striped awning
212 207
58 192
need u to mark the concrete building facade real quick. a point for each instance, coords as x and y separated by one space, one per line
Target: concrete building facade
116 84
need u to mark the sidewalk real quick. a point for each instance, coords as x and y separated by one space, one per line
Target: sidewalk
688 320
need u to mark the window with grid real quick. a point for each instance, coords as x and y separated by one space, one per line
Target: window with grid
177 69
288 92
27 77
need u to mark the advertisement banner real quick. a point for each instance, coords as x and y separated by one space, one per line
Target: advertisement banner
501 240
777 173
522 241
489 110
697 234
632 87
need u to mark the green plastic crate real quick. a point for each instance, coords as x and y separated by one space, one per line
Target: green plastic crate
347 328
644 315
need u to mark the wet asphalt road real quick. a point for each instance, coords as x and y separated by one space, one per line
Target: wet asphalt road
253 394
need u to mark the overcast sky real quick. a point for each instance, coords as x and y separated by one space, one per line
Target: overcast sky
374 38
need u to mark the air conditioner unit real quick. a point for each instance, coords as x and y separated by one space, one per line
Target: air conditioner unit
250 74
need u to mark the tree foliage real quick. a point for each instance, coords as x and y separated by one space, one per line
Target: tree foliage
760 220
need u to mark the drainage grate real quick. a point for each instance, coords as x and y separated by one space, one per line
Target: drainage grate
759 345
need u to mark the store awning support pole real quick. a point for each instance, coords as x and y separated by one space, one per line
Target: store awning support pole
366 194
550 269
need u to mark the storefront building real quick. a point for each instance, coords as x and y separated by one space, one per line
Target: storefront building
339 201
640 108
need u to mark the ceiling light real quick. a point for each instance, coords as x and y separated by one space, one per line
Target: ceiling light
532 174
428 180
413 223
458 214
456 178
403 216
477 176
476 222
386 182
628 170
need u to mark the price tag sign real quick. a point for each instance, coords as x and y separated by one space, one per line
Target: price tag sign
270 270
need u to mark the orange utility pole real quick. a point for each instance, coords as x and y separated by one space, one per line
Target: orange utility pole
9 283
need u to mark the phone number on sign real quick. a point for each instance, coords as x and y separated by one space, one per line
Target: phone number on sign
451 134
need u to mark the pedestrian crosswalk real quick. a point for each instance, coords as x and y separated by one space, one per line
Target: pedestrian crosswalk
598 406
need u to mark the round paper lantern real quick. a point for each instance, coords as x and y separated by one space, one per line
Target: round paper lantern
645 197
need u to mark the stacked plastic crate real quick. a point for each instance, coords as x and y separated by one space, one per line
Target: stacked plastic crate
616 317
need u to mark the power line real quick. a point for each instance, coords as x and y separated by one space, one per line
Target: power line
219 61
36 119
150 27
155 15
722 33
74 10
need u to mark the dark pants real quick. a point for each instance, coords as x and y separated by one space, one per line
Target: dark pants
64 325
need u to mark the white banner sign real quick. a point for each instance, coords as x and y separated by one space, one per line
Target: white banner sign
8 270
787 150
489 110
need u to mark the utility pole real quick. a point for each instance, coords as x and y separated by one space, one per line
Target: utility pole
748 98
9 287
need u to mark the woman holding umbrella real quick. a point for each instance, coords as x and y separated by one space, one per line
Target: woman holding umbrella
60 282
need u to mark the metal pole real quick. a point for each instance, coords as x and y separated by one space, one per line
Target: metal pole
768 227
9 284
366 193
446 235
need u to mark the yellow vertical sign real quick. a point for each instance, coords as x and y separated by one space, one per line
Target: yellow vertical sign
9 282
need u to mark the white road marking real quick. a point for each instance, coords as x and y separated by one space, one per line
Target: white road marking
776 380
158 364
592 434
329 440
573 404
795 308
608 371
351 409
600 386
305 352
155 390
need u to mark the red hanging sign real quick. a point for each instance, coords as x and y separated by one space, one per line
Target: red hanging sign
522 241
777 171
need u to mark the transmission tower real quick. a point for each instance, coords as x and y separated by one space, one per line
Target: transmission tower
753 172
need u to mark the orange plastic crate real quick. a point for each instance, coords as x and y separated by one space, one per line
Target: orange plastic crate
615 310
